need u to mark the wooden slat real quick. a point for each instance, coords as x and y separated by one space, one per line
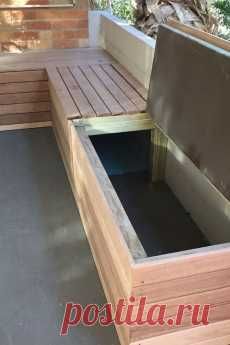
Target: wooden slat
11 119
115 124
194 336
25 97
81 101
22 76
103 194
131 80
60 95
92 96
159 144
104 261
173 288
50 58
181 265
24 87
125 87
218 313
28 125
24 108
104 93
123 100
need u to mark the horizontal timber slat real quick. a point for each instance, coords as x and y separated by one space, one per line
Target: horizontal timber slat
24 108
166 267
115 124
22 76
183 286
195 336
25 97
11 119
24 87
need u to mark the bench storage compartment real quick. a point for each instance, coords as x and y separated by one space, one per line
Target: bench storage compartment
144 241
162 254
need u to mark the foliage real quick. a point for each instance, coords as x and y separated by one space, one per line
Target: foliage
120 8
223 6
98 4
123 9
221 10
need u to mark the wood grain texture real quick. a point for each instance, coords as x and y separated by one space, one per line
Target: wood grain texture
23 76
23 87
218 331
91 94
25 108
128 90
78 96
115 124
14 119
28 125
110 204
114 89
113 106
194 276
25 97
159 143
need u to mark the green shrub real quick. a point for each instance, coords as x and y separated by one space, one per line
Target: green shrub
123 9
223 6
120 8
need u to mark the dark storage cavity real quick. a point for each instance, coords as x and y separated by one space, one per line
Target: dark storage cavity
160 221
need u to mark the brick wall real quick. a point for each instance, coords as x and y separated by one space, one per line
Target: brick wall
43 28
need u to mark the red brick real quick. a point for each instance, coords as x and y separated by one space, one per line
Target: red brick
65 44
69 24
61 14
18 35
37 25
68 35
38 2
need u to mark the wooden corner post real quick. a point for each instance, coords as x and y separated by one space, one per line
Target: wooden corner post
159 144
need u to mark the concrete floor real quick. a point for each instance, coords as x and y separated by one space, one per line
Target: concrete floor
45 260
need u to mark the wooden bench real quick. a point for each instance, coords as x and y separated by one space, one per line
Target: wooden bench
98 109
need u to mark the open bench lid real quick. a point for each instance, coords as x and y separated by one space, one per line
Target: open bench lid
189 99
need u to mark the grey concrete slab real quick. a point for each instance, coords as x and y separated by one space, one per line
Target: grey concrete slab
45 260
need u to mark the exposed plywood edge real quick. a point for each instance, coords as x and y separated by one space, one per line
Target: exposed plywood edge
202 35
159 144
26 126
115 124
194 336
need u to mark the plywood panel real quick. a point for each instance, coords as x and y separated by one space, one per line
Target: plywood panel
191 105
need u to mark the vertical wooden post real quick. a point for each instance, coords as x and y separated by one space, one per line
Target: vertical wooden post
159 143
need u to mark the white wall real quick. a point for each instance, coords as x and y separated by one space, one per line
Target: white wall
130 47
134 50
